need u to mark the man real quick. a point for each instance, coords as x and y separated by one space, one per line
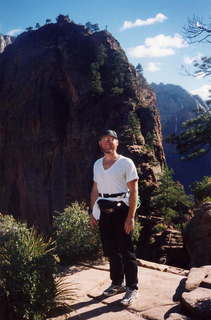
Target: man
114 202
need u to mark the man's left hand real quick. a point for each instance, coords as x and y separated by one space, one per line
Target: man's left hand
129 224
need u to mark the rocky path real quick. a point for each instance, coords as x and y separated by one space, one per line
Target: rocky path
158 298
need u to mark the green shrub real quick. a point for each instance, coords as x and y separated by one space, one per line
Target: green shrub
160 227
75 238
117 91
202 190
170 200
136 232
27 266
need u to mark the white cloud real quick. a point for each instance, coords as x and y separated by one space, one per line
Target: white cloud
13 32
166 41
153 66
151 52
158 46
160 17
203 91
190 60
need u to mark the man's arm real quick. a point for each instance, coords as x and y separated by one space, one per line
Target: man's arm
93 198
130 220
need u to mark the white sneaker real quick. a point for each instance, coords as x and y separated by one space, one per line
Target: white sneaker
130 296
114 289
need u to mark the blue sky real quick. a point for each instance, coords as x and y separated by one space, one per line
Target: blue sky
149 31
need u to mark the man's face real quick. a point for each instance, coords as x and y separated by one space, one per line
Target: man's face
108 144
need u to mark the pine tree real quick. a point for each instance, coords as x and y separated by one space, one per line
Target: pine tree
195 140
37 26
202 190
169 199
92 27
61 19
139 68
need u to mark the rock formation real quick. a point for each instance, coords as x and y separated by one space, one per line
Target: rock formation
197 298
176 105
197 236
59 87
164 247
5 41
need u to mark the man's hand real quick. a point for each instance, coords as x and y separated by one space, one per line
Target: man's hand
93 221
129 224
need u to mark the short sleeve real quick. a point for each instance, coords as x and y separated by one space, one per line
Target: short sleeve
94 173
131 172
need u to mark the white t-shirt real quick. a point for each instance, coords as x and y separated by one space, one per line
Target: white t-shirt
115 178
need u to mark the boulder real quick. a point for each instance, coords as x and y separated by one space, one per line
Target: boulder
198 303
197 238
195 277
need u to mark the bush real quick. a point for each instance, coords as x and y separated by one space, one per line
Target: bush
160 227
116 91
27 266
170 200
202 190
136 232
75 238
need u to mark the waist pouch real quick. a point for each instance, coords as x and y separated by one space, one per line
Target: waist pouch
108 205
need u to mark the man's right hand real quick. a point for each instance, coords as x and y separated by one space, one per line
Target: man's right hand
93 221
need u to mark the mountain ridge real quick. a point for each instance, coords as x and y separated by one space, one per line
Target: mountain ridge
176 106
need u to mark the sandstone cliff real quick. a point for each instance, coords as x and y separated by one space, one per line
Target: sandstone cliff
59 87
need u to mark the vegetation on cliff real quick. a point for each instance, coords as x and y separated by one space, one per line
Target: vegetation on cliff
195 140
202 190
170 200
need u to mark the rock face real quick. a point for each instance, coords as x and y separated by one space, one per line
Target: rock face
5 41
164 247
59 87
198 302
176 105
197 236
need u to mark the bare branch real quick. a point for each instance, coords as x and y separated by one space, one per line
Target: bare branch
196 29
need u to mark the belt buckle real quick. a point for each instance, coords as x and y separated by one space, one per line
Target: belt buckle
110 210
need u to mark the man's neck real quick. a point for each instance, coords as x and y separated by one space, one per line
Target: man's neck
111 156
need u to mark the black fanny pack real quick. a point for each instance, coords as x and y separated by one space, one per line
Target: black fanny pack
108 205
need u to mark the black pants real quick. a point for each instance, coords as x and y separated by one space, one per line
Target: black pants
118 246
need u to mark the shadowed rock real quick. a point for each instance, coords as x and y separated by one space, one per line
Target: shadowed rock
198 302
197 238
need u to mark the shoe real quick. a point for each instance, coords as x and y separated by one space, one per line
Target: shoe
130 296
114 289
